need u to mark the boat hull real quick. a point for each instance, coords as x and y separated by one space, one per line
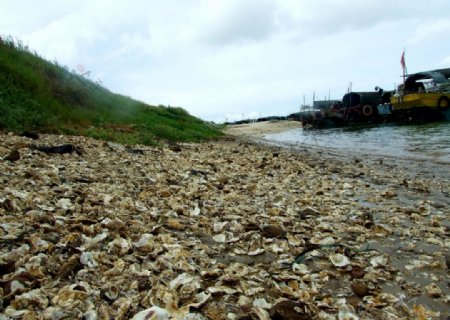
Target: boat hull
422 106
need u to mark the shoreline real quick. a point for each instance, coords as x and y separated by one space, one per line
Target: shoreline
256 132
221 221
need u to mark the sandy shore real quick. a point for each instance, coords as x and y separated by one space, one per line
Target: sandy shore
218 230
258 129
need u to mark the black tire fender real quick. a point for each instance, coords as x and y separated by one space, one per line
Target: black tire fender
443 103
367 110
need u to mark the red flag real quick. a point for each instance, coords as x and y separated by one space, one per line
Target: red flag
402 60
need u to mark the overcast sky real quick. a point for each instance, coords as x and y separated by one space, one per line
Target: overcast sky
225 59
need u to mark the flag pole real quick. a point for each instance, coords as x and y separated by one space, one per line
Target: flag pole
402 61
404 68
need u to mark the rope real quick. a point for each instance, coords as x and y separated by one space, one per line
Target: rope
312 247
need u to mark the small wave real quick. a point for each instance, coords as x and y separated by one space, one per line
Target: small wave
420 142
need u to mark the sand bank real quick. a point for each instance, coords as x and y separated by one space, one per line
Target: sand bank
258 129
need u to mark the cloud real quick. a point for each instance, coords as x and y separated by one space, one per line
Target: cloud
236 21
310 19
22 17
237 56
445 62
432 32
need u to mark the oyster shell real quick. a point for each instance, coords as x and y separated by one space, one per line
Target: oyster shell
154 313
33 298
339 260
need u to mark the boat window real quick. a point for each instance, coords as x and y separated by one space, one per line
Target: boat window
428 84
417 86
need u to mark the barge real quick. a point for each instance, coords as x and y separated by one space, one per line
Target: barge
355 108
424 96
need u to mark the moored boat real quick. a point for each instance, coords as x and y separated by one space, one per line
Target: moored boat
424 96
355 108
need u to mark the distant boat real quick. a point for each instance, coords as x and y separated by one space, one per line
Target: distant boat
355 108
424 96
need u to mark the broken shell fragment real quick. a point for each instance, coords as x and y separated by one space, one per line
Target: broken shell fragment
220 238
33 298
345 314
256 252
119 246
433 290
153 313
67 298
261 303
89 259
219 226
221 289
225 237
200 299
378 261
181 280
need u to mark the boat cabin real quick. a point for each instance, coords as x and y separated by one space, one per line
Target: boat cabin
428 81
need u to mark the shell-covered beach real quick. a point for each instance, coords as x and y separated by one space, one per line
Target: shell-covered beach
228 229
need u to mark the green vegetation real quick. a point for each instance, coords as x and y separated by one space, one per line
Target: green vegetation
37 95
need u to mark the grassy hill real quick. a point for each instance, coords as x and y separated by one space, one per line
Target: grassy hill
38 95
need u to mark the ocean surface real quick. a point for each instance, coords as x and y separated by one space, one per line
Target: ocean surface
413 142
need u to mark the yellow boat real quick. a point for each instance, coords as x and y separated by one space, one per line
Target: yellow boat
424 95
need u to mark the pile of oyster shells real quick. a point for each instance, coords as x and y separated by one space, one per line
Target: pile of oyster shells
228 229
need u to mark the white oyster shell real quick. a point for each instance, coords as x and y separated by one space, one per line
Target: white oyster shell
300 268
181 280
378 261
339 260
153 313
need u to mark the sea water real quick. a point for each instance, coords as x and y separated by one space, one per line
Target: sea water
422 142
